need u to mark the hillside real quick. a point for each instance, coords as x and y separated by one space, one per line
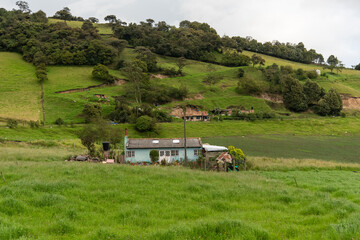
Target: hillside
69 105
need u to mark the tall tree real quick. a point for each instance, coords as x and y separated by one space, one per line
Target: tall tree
332 61
23 6
111 18
63 14
136 73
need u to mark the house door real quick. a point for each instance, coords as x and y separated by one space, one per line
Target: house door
164 155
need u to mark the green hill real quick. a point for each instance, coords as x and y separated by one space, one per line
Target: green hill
19 91
68 106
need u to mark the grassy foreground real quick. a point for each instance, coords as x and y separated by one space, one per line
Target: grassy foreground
62 200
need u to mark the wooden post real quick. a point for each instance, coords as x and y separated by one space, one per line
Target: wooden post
184 111
245 164
3 177
234 164
296 182
225 169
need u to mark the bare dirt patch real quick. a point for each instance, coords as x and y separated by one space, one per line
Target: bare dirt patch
159 76
351 103
196 97
271 97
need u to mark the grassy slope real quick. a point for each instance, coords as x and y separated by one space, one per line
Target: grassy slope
348 81
57 200
19 91
102 27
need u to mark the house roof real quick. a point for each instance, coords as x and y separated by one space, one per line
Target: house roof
155 143
190 112
213 148
224 157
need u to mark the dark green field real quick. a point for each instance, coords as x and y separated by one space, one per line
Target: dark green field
337 148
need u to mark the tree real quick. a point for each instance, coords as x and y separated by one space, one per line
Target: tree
339 67
181 63
293 95
111 18
101 72
145 124
154 156
93 19
238 156
23 6
92 112
256 59
63 14
332 62
334 101
357 67
136 73
144 54
211 78
313 92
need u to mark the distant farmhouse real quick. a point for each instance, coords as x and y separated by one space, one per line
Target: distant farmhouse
170 149
192 114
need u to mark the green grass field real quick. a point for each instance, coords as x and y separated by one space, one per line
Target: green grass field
103 28
19 91
44 199
339 148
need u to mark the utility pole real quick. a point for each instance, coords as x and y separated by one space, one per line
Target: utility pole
184 111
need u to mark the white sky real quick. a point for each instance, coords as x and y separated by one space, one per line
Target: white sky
328 26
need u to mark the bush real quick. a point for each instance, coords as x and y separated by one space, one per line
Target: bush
170 72
59 122
312 74
11 123
249 86
240 73
101 72
145 124
34 124
293 95
92 112
154 156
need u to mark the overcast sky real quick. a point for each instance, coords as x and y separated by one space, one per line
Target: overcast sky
328 26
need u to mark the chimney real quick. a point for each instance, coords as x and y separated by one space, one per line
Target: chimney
126 132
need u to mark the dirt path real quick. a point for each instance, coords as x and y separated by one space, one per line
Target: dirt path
117 83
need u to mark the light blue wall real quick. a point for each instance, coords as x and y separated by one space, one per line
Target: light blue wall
143 155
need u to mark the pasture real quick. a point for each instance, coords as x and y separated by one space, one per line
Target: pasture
51 199
19 91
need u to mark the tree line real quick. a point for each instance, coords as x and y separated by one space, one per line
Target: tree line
56 44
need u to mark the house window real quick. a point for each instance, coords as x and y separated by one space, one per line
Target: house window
162 153
174 152
198 117
197 152
130 153
167 153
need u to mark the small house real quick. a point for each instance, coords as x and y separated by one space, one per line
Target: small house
102 96
137 150
192 114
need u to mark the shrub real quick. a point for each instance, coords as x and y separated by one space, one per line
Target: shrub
34 124
92 112
59 122
240 73
145 124
154 156
249 86
12 123
312 74
101 72
170 72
